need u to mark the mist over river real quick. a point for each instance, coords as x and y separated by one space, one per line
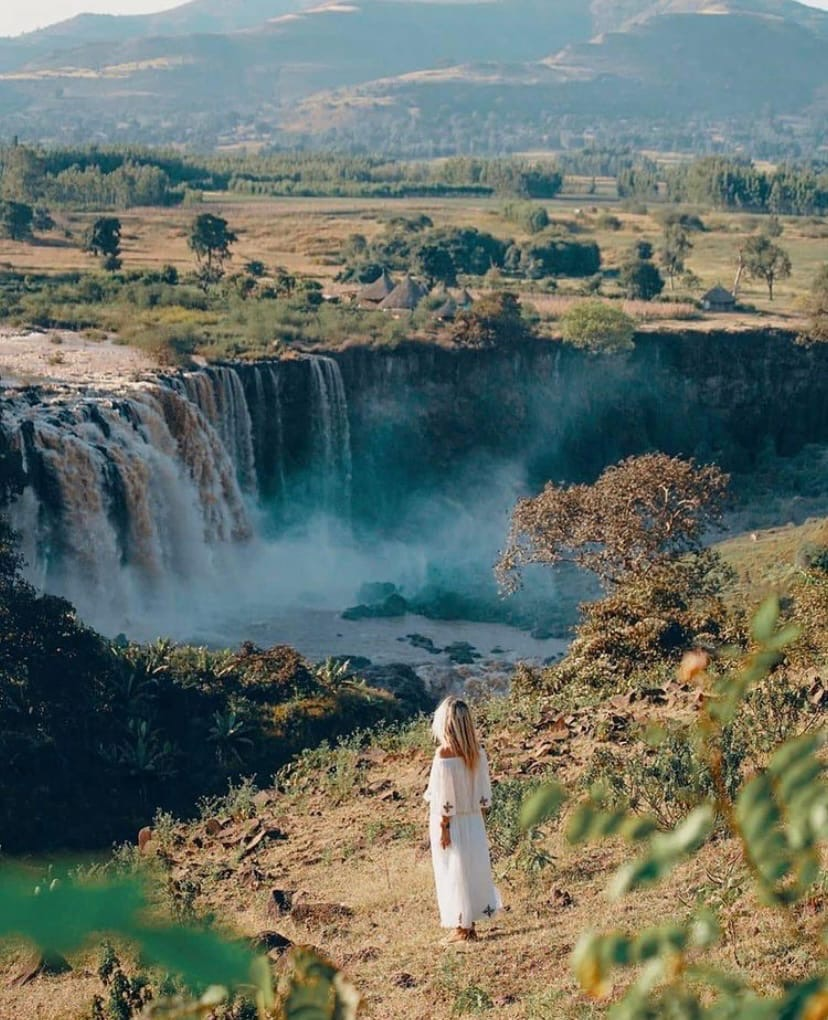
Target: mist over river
255 501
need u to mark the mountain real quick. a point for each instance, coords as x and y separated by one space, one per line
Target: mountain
419 76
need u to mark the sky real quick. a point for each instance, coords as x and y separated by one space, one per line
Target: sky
24 15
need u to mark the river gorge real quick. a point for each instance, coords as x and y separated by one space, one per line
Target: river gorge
257 500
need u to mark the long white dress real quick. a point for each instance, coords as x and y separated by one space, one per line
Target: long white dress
463 871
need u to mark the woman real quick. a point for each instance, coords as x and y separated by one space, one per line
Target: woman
459 791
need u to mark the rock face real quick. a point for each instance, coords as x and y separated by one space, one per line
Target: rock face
418 443
422 416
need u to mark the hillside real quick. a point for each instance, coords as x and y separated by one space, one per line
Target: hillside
336 856
280 69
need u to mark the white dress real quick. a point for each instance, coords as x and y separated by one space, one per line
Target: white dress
463 871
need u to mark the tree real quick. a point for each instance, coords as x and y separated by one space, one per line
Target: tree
772 227
766 261
210 239
103 238
435 264
42 220
16 220
22 174
598 326
816 306
493 320
638 514
641 280
284 282
675 246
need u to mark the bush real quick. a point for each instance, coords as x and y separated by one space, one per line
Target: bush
777 821
598 327
650 618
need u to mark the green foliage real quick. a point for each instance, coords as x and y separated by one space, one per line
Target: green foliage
511 842
62 917
665 776
674 248
779 819
816 330
651 617
16 220
495 320
766 261
103 238
730 184
530 217
66 915
210 241
598 327
555 256
125 996
91 734
471 999
640 280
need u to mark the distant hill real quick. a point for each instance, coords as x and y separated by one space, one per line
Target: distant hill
421 76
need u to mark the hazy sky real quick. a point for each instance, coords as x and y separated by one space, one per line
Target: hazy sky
23 15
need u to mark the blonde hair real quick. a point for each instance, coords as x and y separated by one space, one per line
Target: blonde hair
453 729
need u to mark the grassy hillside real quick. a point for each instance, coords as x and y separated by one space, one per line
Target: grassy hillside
145 78
336 855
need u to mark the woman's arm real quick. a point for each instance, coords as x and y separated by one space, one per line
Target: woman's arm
445 832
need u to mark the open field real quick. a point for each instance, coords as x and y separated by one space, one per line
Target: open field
306 236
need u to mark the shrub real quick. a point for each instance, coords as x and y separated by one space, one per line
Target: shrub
652 617
598 327
777 819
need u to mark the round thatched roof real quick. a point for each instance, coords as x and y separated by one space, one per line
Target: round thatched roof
405 296
447 310
379 289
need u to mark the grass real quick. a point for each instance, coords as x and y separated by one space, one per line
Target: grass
357 835
306 236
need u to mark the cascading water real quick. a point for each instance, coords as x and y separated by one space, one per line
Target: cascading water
331 437
218 393
142 503
124 495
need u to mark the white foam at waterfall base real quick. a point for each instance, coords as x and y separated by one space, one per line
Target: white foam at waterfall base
146 521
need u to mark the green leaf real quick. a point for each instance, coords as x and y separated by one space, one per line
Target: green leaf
542 805
765 620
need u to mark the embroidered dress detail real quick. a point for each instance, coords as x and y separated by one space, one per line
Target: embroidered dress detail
462 871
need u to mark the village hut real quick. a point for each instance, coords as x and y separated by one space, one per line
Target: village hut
718 300
376 292
404 297
447 310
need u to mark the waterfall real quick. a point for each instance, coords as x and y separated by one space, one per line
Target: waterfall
147 493
331 436
218 393
125 493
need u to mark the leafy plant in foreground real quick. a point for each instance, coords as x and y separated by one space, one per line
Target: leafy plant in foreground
63 917
778 817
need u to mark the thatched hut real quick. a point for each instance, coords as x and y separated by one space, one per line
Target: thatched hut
376 292
447 310
718 300
404 297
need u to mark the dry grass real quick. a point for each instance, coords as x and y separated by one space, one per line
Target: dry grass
305 235
367 848
767 561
